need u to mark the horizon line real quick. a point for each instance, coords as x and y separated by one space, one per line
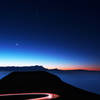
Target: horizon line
59 68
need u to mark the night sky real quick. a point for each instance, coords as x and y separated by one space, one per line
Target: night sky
54 33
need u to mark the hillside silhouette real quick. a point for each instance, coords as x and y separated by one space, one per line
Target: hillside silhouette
23 69
40 81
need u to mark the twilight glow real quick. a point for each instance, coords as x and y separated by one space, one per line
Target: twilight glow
25 56
46 34
21 59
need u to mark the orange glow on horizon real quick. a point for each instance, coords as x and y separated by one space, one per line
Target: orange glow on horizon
67 67
77 67
90 69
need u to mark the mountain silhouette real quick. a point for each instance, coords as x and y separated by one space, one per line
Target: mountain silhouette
40 81
23 69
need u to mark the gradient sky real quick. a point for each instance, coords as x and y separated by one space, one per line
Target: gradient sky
53 33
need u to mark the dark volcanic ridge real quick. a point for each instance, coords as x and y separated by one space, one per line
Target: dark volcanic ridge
30 79
40 81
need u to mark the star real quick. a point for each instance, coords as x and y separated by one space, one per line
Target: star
17 44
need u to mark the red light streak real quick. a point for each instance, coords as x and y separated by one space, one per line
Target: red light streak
48 96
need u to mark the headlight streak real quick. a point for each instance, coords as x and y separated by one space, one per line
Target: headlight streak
48 96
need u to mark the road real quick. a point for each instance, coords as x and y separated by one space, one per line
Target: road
48 96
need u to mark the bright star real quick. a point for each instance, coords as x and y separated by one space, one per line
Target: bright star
17 44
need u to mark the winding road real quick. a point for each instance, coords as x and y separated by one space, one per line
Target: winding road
48 96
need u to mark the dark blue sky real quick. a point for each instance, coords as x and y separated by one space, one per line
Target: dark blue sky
50 32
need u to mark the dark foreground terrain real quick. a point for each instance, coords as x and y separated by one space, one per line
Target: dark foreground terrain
39 82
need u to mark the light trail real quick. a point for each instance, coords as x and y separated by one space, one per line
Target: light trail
48 96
